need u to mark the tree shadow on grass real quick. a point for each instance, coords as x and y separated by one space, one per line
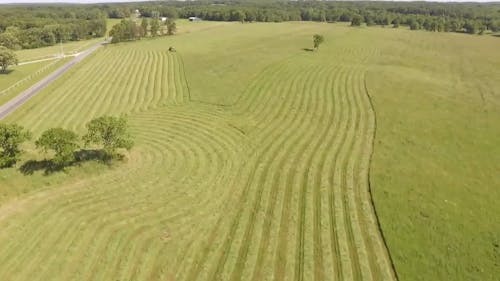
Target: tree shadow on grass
99 155
81 156
47 166
308 49
6 72
85 155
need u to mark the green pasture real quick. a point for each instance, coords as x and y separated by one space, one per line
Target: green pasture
258 159
19 78
69 48
25 75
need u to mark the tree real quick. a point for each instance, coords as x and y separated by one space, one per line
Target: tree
7 58
63 142
322 16
250 16
369 21
317 40
237 16
155 26
171 27
11 136
386 20
144 26
9 40
452 26
395 23
482 28
169 12
124 31
414 25
494 25
110 132
470 27
356 20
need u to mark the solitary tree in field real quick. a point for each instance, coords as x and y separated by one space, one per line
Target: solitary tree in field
171 27
110 132
317 40
62 142
7 58
11 137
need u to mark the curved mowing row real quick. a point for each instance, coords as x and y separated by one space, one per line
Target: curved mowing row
274 187
117 81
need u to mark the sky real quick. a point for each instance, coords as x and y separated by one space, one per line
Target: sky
66 1
109 1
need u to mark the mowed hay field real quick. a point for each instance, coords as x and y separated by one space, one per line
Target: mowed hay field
253 160
35 64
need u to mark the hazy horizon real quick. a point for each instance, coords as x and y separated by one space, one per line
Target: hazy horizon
118 1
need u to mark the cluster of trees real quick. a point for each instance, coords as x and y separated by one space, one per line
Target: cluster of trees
128 30
26 27
155 26
108 132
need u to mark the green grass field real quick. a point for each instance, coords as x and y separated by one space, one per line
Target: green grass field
68 48
54 51
21 77
253 160
41 61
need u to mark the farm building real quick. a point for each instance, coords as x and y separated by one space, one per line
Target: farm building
163 19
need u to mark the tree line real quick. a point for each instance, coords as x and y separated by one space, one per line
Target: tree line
125 10
109 133
27 27
440 17
33 26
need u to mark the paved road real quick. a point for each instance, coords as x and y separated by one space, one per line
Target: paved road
23 97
